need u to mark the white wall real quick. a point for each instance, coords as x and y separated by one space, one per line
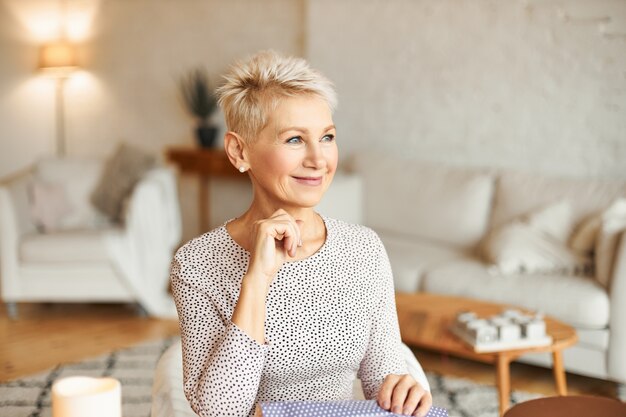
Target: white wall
531 84
132 55
26 101
534 85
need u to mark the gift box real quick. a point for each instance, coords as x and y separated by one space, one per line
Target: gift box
346 408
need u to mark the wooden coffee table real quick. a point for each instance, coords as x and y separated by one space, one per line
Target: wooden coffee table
425 320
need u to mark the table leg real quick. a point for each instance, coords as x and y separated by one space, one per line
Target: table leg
559 372
503 382
621 391
203 204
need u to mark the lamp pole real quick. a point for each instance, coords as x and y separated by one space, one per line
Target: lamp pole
59 60
60 116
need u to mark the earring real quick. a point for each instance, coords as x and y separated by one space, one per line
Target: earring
242 169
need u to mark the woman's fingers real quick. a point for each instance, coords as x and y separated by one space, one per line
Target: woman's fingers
288 230
299 224
416 393
425 403
400 394
289 243
277 238
385 391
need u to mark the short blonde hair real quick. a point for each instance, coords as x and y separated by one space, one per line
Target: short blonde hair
253 89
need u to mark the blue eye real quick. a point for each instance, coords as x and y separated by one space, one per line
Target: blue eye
330 138
295 139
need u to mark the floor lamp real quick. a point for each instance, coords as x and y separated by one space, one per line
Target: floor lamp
59 60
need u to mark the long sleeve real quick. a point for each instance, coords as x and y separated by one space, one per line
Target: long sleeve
384 354
222 365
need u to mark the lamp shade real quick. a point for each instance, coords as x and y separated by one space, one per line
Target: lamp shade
58 57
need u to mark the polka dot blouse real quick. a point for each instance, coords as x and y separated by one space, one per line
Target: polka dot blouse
329 317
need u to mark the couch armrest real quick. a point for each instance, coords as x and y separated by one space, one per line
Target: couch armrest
14 222
152 225
167 180
16 189
9 237
617 341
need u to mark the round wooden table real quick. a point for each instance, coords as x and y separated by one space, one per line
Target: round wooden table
425 321
576 406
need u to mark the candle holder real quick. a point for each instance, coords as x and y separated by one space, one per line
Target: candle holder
80 396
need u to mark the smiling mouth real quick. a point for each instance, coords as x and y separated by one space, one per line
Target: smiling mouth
309 180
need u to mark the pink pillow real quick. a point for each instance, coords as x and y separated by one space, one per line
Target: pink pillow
48 205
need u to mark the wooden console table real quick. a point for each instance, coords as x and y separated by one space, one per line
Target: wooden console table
205 163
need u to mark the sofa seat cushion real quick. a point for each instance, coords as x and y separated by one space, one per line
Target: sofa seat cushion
67 246
411 258
578 301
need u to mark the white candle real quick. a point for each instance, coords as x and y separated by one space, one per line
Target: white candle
80 396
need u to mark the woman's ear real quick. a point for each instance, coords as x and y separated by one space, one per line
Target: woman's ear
236 150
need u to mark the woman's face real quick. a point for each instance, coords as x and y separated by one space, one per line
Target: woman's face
294 158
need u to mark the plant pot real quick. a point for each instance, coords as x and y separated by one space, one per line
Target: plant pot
206 136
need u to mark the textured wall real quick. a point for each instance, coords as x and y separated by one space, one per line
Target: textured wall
141 47
536 85
26 101
132 55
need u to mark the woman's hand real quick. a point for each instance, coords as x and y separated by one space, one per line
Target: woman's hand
275 239
401 394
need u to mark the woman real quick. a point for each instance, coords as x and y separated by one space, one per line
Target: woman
283 303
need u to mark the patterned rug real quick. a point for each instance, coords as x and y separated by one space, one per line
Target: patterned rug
134 367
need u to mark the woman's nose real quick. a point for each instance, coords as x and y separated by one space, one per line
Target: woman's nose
315 156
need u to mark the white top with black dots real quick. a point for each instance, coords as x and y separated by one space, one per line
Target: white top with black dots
329 317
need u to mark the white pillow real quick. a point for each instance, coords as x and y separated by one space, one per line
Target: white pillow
78 177
613 224
48 205
535 244
554 220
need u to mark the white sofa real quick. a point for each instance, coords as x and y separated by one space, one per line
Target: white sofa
431 219
94 261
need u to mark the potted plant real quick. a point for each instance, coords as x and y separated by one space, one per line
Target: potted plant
200 101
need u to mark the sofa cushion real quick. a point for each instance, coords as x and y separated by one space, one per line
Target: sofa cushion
444 204
535 244
48 205
583 239
578 301
78 178
67 246
122 170
411 258
612 226
519 249
518 193
554 220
